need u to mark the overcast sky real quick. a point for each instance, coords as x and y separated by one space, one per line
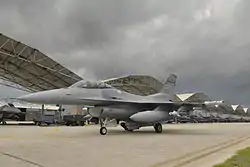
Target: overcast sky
205 42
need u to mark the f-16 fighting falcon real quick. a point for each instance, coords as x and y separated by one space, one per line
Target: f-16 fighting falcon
108 103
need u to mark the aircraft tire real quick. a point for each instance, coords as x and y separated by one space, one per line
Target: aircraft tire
158 128
4 123
103 130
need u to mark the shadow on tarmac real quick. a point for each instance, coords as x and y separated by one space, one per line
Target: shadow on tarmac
148 132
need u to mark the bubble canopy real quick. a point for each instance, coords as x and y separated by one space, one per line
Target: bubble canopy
90 85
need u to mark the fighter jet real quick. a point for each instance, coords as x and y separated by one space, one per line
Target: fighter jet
108 103
9 112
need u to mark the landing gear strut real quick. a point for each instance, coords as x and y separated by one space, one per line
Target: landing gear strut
158 128
103 129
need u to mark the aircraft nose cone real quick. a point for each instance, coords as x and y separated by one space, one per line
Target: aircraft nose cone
33 97
45 97
25 97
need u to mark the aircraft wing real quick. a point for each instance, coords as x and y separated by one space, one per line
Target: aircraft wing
147 102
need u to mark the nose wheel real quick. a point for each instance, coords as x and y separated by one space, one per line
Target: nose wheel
158 128
103 130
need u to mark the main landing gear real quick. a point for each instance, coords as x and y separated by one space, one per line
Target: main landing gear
104 131
158 128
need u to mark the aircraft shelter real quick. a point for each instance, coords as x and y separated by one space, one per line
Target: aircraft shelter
26 68
191 97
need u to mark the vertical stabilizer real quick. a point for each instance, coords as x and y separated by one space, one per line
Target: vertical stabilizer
169 85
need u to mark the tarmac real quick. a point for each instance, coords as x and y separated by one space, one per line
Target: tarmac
200 145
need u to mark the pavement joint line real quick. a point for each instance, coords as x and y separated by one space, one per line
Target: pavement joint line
191 157
21 159
210 152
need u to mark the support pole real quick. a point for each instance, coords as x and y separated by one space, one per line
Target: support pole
60 113
42 116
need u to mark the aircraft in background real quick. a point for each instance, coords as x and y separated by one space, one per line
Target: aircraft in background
9 112
108 103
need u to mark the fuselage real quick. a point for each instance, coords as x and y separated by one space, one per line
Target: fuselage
107 102
89 96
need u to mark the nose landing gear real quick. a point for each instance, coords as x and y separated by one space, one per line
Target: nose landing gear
103 129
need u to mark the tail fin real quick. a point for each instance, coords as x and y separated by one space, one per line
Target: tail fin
168 87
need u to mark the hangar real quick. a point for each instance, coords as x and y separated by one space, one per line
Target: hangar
202 97
30 69
224 108
238 109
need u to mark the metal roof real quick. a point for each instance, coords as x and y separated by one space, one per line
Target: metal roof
31 69
191 97
26 68
136 84
185 96
225 108
239 109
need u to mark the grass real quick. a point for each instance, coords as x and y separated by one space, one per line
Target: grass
240 159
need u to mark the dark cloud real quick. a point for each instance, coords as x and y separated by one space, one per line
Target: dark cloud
206 42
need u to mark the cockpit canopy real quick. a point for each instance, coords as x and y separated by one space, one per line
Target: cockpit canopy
90 85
